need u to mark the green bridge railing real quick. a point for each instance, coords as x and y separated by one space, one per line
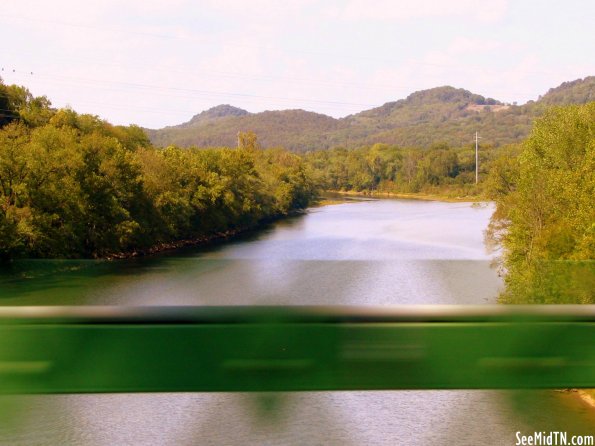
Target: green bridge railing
204 349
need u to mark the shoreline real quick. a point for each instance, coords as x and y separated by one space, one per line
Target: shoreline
410 196
206 240
203 240
174 245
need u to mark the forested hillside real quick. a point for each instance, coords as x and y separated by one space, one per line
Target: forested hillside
298 130
439 115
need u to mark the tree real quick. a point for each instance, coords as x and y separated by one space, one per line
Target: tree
248 141
546 212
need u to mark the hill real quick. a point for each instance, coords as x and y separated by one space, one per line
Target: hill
442 114
296 129
215 113
579 91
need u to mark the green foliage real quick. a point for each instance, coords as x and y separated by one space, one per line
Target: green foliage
546 212
580 91
248 141
17 103
382 168
73 185
289 179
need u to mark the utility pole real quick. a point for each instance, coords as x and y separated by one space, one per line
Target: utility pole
477 138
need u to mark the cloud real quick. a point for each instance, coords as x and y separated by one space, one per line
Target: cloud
487 11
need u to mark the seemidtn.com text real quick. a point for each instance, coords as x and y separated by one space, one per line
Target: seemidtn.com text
554 439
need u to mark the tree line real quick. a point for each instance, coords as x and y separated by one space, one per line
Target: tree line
382 168
73 185
545 214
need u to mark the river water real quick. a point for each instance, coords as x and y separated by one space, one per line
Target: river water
364 252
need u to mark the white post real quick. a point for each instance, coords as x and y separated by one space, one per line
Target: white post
476 159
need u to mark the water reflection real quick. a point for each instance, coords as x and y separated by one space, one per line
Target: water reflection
433 418
364 253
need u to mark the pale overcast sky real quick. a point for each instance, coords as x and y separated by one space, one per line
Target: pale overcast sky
157 63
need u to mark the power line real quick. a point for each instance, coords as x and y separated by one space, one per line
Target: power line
266 78
199 92
167 90
210 93
218 74
159 110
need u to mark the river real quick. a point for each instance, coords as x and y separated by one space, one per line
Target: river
364 252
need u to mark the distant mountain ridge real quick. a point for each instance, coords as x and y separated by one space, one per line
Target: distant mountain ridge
213 113
441 114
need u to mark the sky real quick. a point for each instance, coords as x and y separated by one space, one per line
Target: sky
157 63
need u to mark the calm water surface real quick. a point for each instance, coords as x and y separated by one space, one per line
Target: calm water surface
359 253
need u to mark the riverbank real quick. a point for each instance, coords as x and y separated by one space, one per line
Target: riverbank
328 198
177 244
203 240
411 196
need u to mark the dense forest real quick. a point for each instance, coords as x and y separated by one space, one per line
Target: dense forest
425 118
73 185
448 172
545 215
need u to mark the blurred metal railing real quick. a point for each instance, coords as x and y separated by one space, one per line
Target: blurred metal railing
170 349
